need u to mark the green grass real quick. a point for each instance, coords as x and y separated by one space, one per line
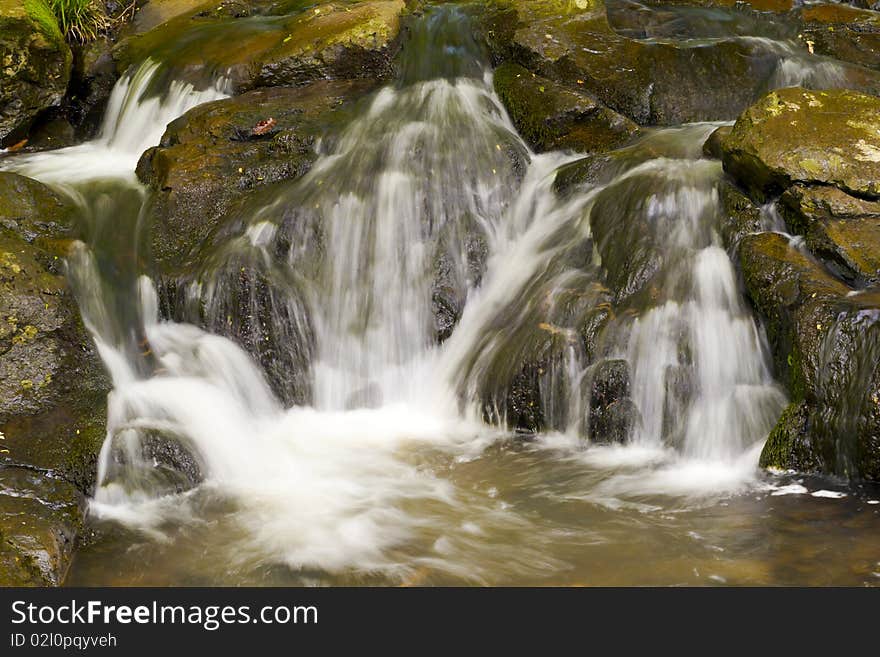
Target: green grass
80 20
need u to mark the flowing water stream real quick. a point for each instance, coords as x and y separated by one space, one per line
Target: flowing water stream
386 471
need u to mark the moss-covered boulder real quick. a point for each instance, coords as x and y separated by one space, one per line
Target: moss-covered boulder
286 45
846 33
812 137
211 156
551 117
35 64
52 386
713 146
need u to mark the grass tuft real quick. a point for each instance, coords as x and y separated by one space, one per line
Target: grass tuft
80 21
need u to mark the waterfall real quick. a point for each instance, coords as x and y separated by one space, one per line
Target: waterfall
134 120
428 203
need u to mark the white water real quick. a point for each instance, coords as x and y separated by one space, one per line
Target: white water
133 122
396 191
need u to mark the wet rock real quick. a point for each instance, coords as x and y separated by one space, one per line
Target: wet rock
448 292
825 341
203 164
612 413
327 41
94 75
527 383
791 290
788 445
846 33
842 230
811 137
626 240
774 6
35 64
52 386
614 424
553 117
50 132
742 216
258 307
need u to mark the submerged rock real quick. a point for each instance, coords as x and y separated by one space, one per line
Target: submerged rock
35 64
52 386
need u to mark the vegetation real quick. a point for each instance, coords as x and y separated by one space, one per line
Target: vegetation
80 20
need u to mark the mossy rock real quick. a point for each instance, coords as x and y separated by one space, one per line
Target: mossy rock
553 117
788 446
40 517
35 64
713 145
53 387
812 137
792 291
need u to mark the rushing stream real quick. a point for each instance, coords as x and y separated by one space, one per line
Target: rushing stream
385 471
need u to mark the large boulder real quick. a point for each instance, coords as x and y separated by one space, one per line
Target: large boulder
52 389
327 41
35 64
795 135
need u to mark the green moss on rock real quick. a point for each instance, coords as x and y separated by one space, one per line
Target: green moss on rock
787 446
812 137
35 64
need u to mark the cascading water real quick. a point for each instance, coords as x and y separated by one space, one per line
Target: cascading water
135 118
426 258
